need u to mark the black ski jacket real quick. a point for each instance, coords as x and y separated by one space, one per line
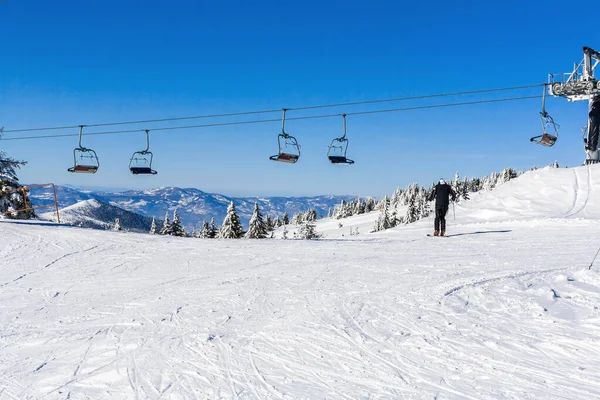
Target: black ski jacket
442 193
595 107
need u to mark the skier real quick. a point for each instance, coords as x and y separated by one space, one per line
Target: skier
592 142
442 193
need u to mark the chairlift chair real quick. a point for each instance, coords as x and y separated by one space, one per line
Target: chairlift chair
289 149
141 161
85 160
338 148
546 138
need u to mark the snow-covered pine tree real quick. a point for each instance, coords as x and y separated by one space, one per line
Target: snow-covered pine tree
205 231
166 228
311 215
117 226
232 227
285 219
423 206
370 205
153 227
465 189
10 199
359 207
457 187
307 230
298 219
176 228
412 210
212 229
384 221
269 224
258 227
285 232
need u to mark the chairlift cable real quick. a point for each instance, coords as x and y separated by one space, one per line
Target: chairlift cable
277 120
149 121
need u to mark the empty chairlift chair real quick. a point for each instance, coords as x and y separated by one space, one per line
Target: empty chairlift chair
141 161
546 138
85 160
289 149
338 148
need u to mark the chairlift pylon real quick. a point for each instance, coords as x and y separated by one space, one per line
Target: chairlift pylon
338 148
546 138
141 161
289 149
85 160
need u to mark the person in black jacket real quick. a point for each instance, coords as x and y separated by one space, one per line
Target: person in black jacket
592 142
441 193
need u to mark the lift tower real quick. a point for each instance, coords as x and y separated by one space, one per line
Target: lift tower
578 85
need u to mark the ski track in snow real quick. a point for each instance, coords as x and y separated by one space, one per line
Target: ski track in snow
511 314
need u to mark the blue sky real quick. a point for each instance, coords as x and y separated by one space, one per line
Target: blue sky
72 62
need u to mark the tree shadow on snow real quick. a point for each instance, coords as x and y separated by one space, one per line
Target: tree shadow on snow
478 233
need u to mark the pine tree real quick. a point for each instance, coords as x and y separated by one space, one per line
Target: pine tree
258 227
384 222
117 226
412 211
465 189
153 227
232 227
205 231
285 219
166 228
212 229
307 230
176 227
10 199
269 223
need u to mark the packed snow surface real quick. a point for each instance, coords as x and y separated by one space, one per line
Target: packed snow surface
505 307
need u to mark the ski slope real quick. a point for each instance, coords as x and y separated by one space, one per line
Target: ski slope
503 308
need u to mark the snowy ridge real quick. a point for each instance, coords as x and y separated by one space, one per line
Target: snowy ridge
505 307
96 214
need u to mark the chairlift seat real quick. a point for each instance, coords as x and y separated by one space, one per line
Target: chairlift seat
84 169
546 139
142 171
285 157
340 160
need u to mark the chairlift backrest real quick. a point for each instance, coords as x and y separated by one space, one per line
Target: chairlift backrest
81 154
289 149
141 161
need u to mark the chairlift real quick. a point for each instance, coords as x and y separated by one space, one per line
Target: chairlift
141 161
338 148
546 138
289 149
85 160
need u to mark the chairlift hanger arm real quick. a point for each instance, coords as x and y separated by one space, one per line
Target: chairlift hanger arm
285 135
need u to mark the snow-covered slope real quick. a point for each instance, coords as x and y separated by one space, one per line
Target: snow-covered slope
539 194
99 215
504 308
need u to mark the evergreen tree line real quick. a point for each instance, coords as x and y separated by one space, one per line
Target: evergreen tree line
356 207
231 228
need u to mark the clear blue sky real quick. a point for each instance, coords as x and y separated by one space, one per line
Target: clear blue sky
74 62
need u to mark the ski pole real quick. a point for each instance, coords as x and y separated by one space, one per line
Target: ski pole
590 267
453 212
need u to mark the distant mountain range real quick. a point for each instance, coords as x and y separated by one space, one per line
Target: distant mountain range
193 205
